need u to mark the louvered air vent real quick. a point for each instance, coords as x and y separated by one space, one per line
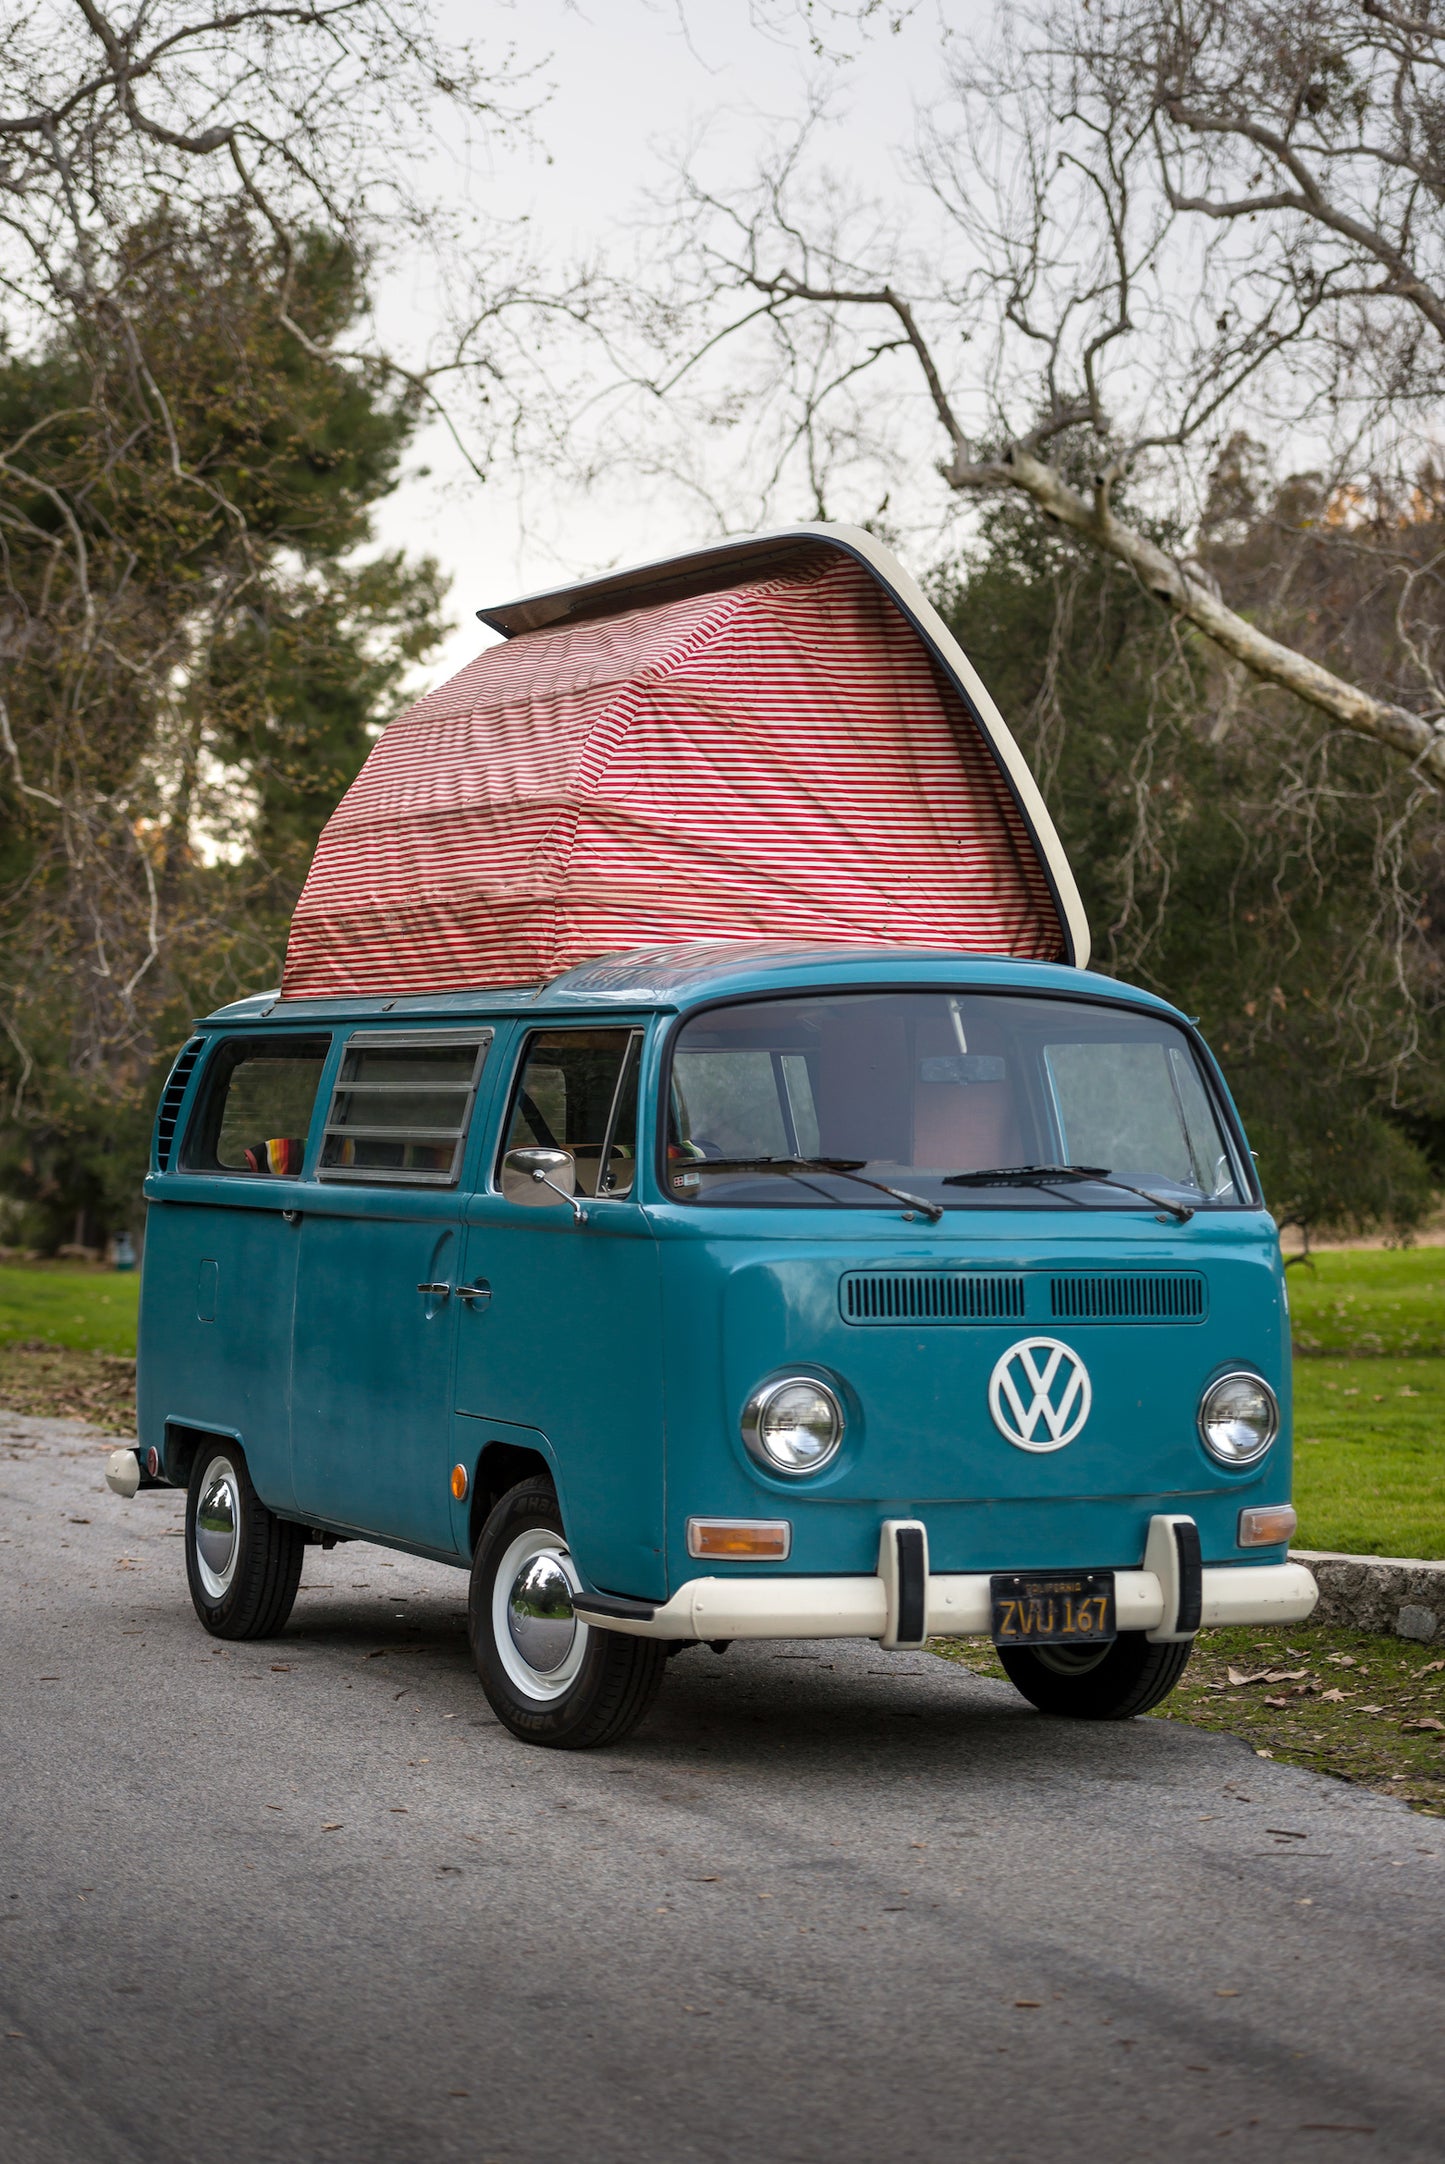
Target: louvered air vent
1147 1297
884 1296
170 1104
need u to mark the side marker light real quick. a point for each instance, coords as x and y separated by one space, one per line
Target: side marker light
459 1482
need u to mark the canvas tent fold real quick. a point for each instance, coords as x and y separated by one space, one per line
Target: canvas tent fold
774 738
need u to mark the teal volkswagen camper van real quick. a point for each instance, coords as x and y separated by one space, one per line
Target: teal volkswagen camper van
690 1180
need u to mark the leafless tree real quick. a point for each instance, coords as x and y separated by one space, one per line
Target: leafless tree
169 170
1136 232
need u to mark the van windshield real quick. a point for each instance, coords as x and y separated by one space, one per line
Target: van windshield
787 1101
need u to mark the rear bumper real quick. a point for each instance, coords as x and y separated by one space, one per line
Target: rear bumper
955 1605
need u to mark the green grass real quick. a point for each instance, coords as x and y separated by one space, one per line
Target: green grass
84 1310
1369 1377
1370 1300
1370 1455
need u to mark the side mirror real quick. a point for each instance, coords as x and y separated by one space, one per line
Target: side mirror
538 1178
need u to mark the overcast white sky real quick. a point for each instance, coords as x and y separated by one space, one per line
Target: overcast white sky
627 79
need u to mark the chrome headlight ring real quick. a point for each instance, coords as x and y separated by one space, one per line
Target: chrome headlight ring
793 1425
1238 1418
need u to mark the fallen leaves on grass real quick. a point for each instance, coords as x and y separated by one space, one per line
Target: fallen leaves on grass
51 1382
1327 1730
1361 1727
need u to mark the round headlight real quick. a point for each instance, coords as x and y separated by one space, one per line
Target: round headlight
1238 1418
793 1426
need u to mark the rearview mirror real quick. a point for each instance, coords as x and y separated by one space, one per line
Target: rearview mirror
539 1177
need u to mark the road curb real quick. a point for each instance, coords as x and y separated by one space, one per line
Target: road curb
1399 1596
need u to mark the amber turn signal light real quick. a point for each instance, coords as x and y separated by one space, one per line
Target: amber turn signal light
762 1539
1267 1525
459 1482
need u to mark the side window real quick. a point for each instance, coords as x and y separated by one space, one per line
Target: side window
255 1106
401 1107
577 1091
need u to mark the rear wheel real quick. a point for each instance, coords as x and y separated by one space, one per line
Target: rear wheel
1105 1683
243 1563
550 1677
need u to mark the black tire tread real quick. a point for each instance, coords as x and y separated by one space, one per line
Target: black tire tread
263 1592
623 1674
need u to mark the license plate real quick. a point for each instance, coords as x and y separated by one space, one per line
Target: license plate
1067 1609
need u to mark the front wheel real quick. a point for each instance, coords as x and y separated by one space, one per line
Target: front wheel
243 1563
1107 1683
548 1676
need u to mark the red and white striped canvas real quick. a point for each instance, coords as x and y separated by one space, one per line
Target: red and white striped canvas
781 759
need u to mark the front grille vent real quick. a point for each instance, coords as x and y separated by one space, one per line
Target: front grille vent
1147 1297
170 1105
884 1296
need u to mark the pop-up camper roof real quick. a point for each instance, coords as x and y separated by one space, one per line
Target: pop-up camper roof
775 737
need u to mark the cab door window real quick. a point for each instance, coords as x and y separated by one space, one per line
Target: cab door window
577 1090
255 1108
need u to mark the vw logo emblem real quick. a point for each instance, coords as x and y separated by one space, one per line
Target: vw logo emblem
1039 1394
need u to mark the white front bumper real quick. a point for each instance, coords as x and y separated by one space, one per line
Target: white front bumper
957 1605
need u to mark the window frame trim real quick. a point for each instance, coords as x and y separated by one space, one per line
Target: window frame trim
199 1090
369 1039
631 1064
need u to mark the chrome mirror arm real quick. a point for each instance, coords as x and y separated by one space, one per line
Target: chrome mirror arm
579 1215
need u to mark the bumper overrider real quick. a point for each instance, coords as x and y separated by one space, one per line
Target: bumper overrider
903 1603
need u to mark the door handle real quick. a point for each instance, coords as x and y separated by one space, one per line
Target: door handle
481 1292
435 1292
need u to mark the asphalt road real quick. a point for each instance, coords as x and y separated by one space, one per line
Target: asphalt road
308 1901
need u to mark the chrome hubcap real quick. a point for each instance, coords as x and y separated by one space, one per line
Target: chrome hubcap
218 1527
540 1616
540 1640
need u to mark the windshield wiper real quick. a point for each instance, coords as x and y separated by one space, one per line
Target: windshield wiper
1048 1175
846 1168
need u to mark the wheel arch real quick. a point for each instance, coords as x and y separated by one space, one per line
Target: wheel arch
501 1466
181 1442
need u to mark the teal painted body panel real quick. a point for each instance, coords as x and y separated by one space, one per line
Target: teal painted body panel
372 1363
231 1369
570 1344
920 1440
622 1351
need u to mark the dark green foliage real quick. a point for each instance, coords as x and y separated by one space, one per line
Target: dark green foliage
196 660
1261 871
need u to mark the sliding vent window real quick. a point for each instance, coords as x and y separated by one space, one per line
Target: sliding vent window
401 1109
578 1091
